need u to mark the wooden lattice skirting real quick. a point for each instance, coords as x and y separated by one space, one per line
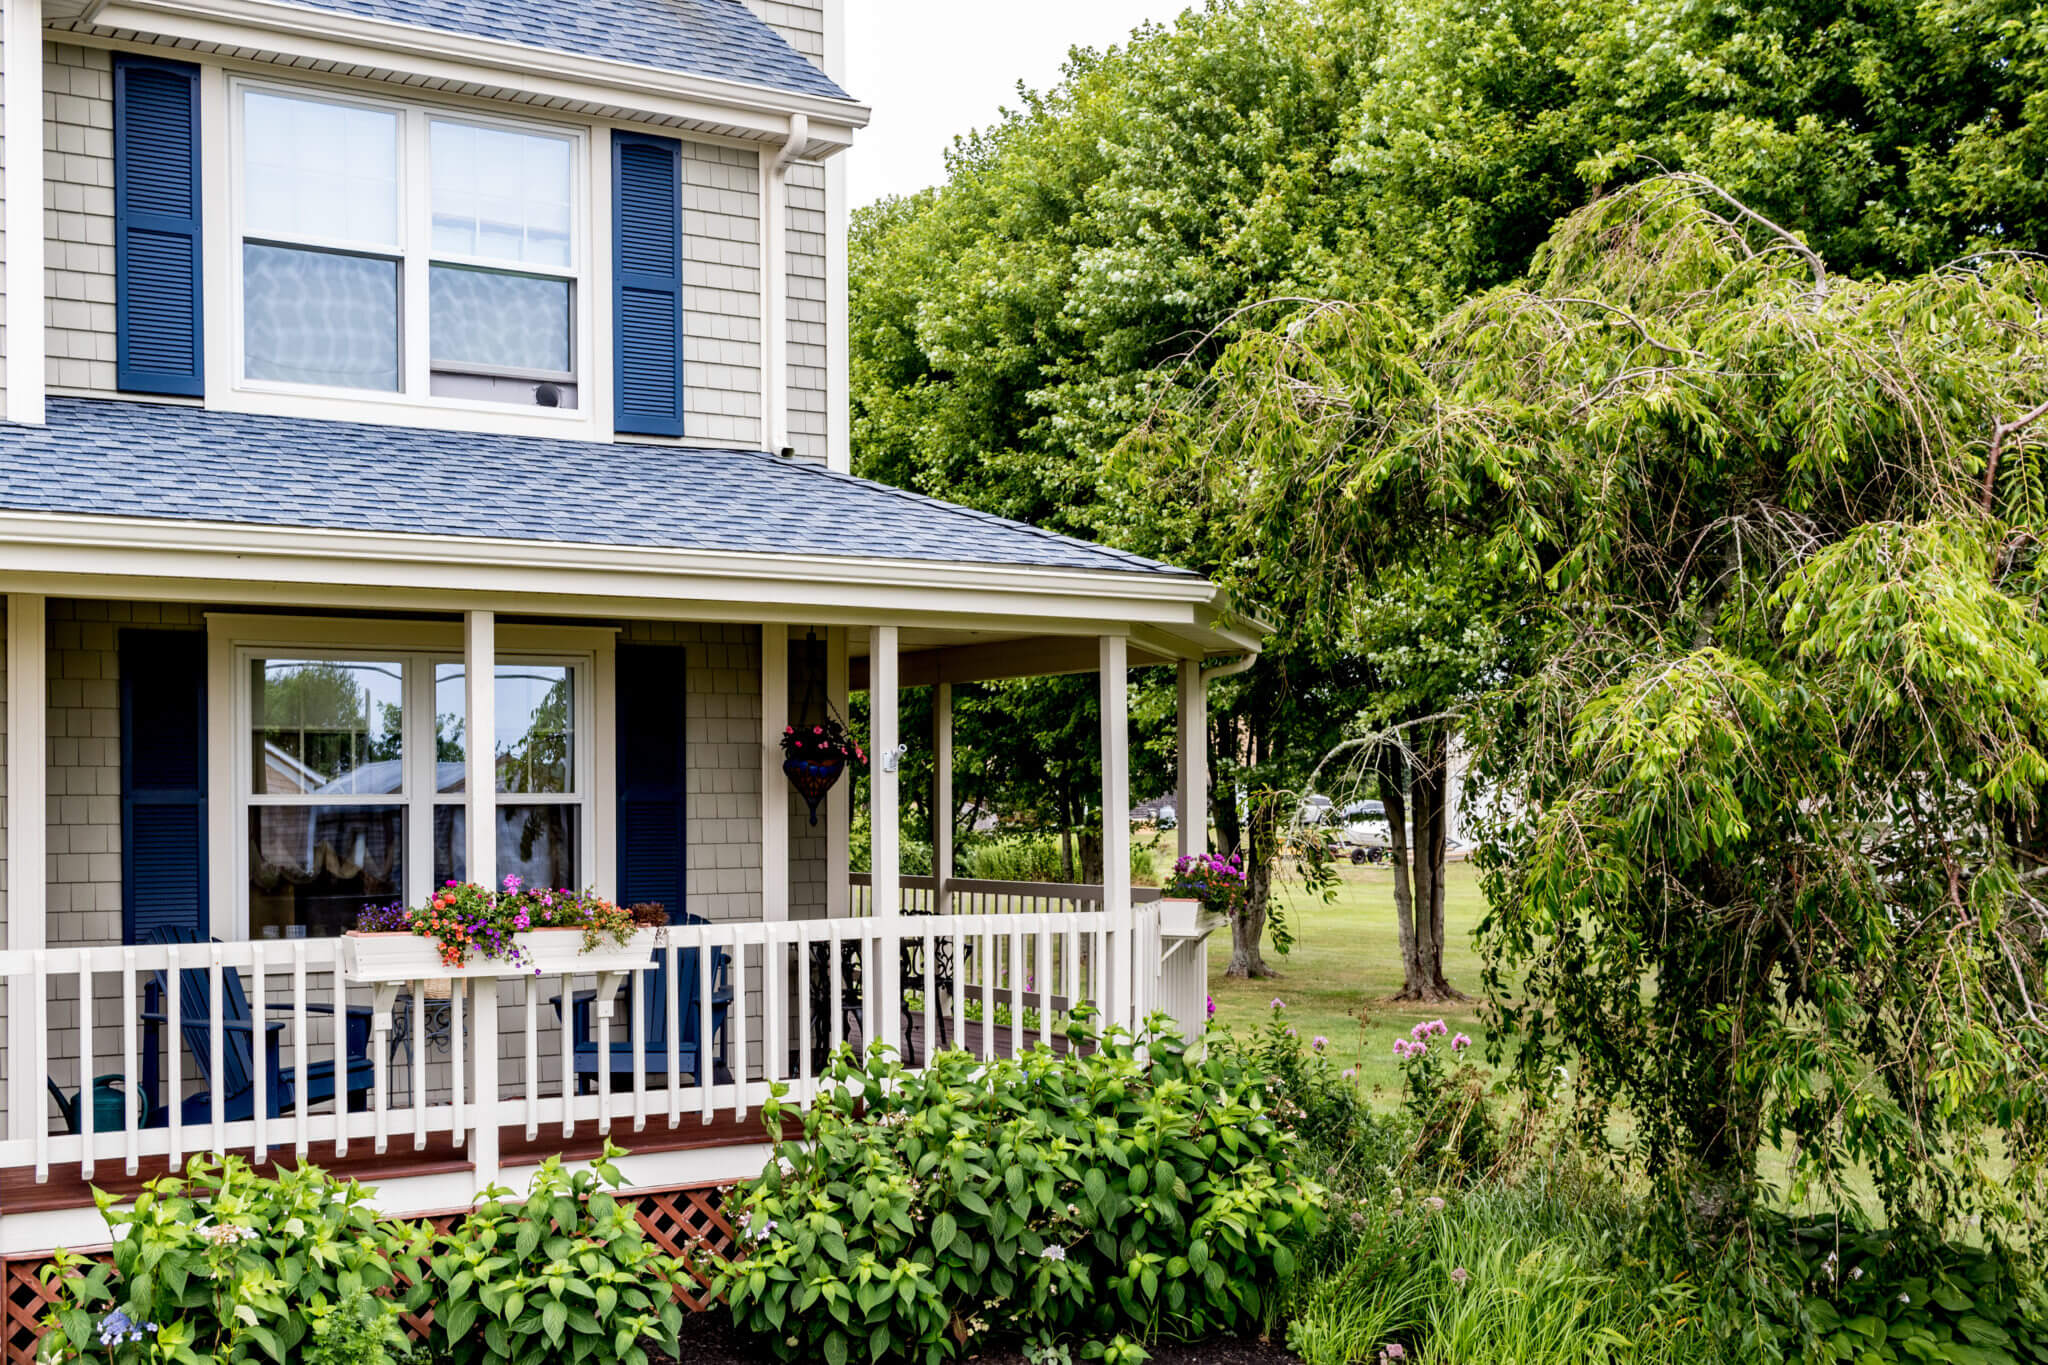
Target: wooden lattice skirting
686 1223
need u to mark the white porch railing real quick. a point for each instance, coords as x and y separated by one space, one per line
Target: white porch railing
243 1032
970 896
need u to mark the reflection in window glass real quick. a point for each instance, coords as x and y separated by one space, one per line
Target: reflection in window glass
536 844
312 868
492 320
500 195
320 169
536 744
319 317
325 727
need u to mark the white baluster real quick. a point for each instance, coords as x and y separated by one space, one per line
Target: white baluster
174 1046
672 1013
39 1026
259 1015
458 1080
130 1071
417 1070
299 1058
218 1046
706 979
532 1058
568 988
86 1065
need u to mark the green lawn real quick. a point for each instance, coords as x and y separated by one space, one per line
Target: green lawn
1346 962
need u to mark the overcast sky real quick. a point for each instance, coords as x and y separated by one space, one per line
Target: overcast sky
933 69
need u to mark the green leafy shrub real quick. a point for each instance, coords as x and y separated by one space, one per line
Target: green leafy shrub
1311 1097
221 1265
1829 1292
1124 1188
566 1274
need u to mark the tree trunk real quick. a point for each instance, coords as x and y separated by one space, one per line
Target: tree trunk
1420 906
1067 822
1248 930
1229 837
1392 764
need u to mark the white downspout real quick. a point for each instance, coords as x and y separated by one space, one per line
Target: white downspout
775 283
1229 670
21 123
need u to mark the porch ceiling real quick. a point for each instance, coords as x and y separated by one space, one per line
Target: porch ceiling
928 657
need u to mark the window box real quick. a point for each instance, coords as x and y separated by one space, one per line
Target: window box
390 958
1186 918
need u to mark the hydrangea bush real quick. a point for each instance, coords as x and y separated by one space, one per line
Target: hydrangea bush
223 1266
469 921
1121 1188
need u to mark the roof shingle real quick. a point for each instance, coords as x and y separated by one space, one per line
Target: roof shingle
718 38
128 459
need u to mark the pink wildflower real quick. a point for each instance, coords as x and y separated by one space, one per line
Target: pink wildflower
1460 1043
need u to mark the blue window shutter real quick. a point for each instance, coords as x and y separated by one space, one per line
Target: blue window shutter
653 810
157 294
163 782
647 283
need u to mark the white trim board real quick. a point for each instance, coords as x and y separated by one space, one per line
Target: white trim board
280 566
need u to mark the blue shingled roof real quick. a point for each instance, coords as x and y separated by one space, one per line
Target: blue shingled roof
114 458
717 38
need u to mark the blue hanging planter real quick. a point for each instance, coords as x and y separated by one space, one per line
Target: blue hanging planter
813 779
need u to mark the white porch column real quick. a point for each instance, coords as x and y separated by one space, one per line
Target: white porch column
885 828
21 122
1194 761
480 771
480 805
1116 822
774 787
27 837
942 797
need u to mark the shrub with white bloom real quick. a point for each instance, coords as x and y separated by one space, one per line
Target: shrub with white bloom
1054 1253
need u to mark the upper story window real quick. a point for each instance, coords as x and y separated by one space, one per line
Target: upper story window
393 249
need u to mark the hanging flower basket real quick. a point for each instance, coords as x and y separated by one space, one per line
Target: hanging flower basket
816 756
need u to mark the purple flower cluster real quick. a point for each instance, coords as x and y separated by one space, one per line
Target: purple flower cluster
1217 880
384 919
1416 1044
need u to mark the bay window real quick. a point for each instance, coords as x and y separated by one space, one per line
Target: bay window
400 250
352 779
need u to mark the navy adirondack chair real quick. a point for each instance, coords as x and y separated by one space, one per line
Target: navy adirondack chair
284 1090
655 988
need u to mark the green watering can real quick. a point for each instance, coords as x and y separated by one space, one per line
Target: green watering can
113 1105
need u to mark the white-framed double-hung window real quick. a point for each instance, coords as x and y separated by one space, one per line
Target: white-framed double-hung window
398 250
350 762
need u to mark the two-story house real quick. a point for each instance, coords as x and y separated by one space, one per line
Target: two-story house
426 458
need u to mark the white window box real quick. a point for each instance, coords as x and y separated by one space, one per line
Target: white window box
393 958
1180 918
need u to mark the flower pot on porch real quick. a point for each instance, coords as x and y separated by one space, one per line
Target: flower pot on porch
1187 918
813 778
391 957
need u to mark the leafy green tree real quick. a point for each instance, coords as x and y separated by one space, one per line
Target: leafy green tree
1892 134
1012 325
1768 879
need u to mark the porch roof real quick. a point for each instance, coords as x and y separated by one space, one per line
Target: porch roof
113 458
